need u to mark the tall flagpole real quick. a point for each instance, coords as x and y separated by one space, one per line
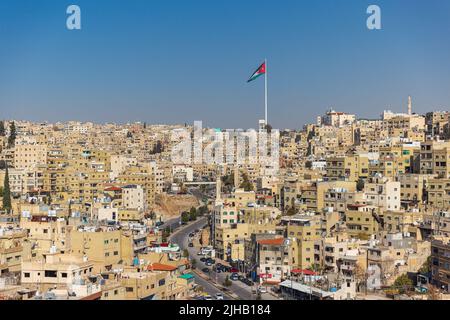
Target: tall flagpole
265 92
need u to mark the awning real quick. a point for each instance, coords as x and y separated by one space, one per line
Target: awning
304 271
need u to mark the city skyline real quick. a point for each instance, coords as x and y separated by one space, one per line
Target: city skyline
150 63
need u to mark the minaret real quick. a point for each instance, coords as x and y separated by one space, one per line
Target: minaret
218 187
409 105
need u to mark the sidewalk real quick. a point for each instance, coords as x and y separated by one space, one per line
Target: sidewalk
215 284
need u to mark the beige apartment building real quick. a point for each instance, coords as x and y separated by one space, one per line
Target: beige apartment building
435 158
313 196
101 247
14 248
412 188
439 193
44 232
143 176
27 156
362 221
349 168
55 269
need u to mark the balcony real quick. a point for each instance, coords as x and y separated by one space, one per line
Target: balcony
139 236
348 267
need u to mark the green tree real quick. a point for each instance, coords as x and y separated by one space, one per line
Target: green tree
12 135
193 214
166 234
360 185
291 211
6 193
185 217
202 211
246 184
227 282
193 263
362 236
228 182
2 129
186 253
403 283
426 267
48 199
158 147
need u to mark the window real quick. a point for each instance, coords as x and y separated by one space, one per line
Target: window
26 274
63 274
50 274
129 289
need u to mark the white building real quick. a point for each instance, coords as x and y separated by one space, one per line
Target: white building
382 192
133 197
338 119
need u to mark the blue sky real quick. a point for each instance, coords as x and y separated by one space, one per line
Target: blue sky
176 61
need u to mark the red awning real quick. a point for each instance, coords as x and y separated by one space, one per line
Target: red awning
304 271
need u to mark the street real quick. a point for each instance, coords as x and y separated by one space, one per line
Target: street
241 290
181 238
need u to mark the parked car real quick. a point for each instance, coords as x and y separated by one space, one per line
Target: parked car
234 277
241 278
203 259
190 245
208 263
219 296
208 298
205 270
249 282
262 289
234 270
199 253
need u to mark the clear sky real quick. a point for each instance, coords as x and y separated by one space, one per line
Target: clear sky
176 61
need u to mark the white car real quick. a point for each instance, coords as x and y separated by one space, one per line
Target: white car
262 289
219 296
208 298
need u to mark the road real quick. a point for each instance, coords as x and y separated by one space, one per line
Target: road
243 291
181 238
172 223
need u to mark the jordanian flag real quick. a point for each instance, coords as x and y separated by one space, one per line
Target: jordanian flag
259 72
